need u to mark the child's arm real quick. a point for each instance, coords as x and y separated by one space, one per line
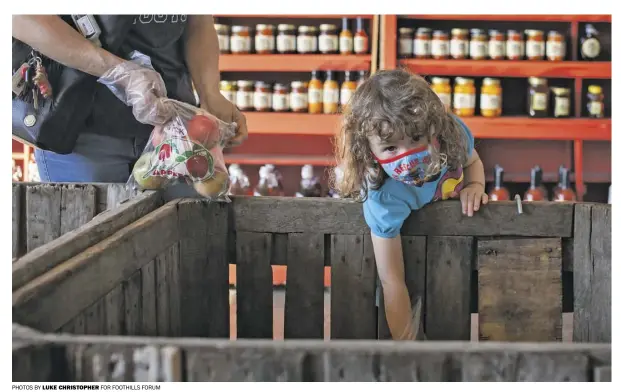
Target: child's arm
473 193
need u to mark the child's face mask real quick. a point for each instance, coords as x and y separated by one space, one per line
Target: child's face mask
409 167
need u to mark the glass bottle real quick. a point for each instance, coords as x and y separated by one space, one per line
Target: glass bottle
310 185
361 39
499 192
534 192
565 193
315 94
346 39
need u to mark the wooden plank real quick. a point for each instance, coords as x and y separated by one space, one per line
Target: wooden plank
592 273
50 300
254 285
448 288
520 293
174 291
115 311
149 299
204 270
304 308
77 206
409 367
48 256
161 274
42 215
352 294
17 192
33 362
95 318
602 374
111 195
324 215
132 293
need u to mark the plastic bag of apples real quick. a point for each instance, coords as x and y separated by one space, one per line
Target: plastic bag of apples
186 142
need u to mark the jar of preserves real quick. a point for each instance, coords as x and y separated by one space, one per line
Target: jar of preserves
315 94
348 88
555 46
562 103
422 43
590 46
538 97
330 94
361 39
362 77
496 45
406 42
499 192
346 39
595 104
244 99
299 97
328 39
535 47
515 45
313 32
440 45
224 37
228 89
264 41
280 98
491 98
240 40
442 88
285 42
459 44
262 97
464 97
478 44
306 40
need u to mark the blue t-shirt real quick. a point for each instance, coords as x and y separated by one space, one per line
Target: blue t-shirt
386 208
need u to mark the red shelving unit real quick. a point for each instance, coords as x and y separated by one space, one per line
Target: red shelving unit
516 18
292 62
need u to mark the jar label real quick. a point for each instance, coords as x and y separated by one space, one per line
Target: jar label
280 102
490 101
244 100
346 95
223 43
299 101
496 49
422 47
590 48
240 44
515 49
459 48
305 44
346 44
561 106
439 48
360 44
595 108
445 98
330 95
534 49
463 101
328 43
405 46
555 49
230 95
540 102
264 43
478 49
315 95
262 100
286 43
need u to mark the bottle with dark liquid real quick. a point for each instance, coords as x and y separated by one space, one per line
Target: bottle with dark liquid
499 192
268 185
240 184
310 185
565 193
534 193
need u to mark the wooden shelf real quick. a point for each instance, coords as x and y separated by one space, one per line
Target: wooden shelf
282 160
517 18
508 68
296 16
293 62
18 155
525 128
292 123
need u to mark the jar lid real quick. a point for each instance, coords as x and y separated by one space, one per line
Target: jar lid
531 32
327 27
239 29
595 89
461 80
406 30
262 84
491 82
285 27
554 33
496 32
440 33
439 80
245 83
297 84
264 26
457 31
514 32
477 31
280 86
304 29
225 83
312 29
221 27
537 81
560 90
423 30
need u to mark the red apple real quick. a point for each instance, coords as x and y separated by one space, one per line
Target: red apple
199 167
204 130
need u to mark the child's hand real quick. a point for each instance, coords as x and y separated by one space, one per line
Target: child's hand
471 197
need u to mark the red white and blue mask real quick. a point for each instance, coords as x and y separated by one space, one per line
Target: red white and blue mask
409 167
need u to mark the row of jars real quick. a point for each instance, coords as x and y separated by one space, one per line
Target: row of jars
290 39
477 44
540 104
315 96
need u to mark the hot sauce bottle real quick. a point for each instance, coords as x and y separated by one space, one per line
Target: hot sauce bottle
499 192
267 186
565 193
310 185
534 193
277 175
558 185
240 185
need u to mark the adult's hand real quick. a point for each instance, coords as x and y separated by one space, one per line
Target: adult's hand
225 110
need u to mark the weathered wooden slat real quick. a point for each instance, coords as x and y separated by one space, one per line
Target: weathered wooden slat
111 195
317 215
592 273
163 307
254 285
115 311
174 291
204 269
42 215
50 300
409 367
304 308
33 362
149 299
48 256
95 318
352 293
17 192
448 287
520 289
132 293
77 206
602 374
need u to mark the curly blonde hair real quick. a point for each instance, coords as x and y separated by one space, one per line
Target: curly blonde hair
393 102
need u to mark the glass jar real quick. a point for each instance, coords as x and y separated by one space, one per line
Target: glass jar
590 46
313 32
280 98
422 43
491 98
346 39
264 41
262 97
595 103
555 46
496 45
244 99
315 94
562 102
538 97
442 88
478 44
299 97
228 89
240 40
464 97
535 47
440 45
328 39
362 77
515 45
361 39
459 44
285 42
406 42
224 37
348 88
330 94
306 40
